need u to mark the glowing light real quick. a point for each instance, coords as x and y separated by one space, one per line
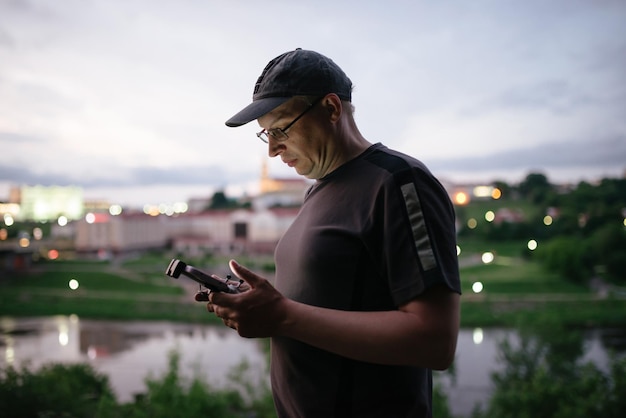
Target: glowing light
532 245
37 234
490 216
151 210
91 352
180 207
477 336
8 219
62 221
496 194
64 337
461 198
115 210
9 354
24 242
487 257
472 223
73 284
53 254
477 287
483 191
547 220
458 250
97 218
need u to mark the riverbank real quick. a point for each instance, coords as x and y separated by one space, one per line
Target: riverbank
513 292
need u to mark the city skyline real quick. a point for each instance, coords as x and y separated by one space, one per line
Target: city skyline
128 99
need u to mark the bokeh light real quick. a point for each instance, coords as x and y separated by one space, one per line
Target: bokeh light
8 219
477 336
461 198
477 287
37 234
115 210
487 257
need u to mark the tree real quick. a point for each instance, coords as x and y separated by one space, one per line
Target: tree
544 376
536 188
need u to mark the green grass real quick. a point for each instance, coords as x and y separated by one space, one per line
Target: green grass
517 276
98 277
105 291
515 289
470 246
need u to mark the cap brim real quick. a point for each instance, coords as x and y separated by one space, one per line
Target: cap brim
255 110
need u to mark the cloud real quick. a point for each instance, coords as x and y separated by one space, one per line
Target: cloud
135 94
603 153
140 176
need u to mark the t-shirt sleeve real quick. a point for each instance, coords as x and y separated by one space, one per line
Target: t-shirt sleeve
419 235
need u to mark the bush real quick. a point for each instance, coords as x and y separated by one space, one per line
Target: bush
78 391
544 377
54 391
568 257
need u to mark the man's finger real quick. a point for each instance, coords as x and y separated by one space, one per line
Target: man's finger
243 273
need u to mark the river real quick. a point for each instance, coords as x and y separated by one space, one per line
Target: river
128 352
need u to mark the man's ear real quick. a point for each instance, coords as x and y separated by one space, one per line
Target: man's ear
334 107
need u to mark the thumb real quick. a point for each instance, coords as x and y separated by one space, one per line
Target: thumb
243 273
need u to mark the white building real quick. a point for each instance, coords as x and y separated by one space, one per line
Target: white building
47 203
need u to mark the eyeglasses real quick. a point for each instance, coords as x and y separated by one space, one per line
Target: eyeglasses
280 134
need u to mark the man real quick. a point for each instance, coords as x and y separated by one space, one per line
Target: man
365 301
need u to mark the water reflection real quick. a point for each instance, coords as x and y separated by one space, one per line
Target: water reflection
128 352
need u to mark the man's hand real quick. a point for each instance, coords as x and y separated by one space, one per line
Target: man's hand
257 312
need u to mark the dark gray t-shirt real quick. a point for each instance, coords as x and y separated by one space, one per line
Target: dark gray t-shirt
370 236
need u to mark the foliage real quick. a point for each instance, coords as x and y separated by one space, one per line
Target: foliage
77 391
578 258
55 391
568 258
171 396
536 188
586 234
221 201
544 376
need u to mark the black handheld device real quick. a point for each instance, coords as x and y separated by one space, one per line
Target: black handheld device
177 267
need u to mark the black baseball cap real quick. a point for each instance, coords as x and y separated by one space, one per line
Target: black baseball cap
295 73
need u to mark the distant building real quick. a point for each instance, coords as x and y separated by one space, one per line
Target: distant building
255 230
215 231
48 203
277 192
104 233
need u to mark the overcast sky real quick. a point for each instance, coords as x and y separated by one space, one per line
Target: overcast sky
128 98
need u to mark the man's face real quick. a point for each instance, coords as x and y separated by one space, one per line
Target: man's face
304 148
